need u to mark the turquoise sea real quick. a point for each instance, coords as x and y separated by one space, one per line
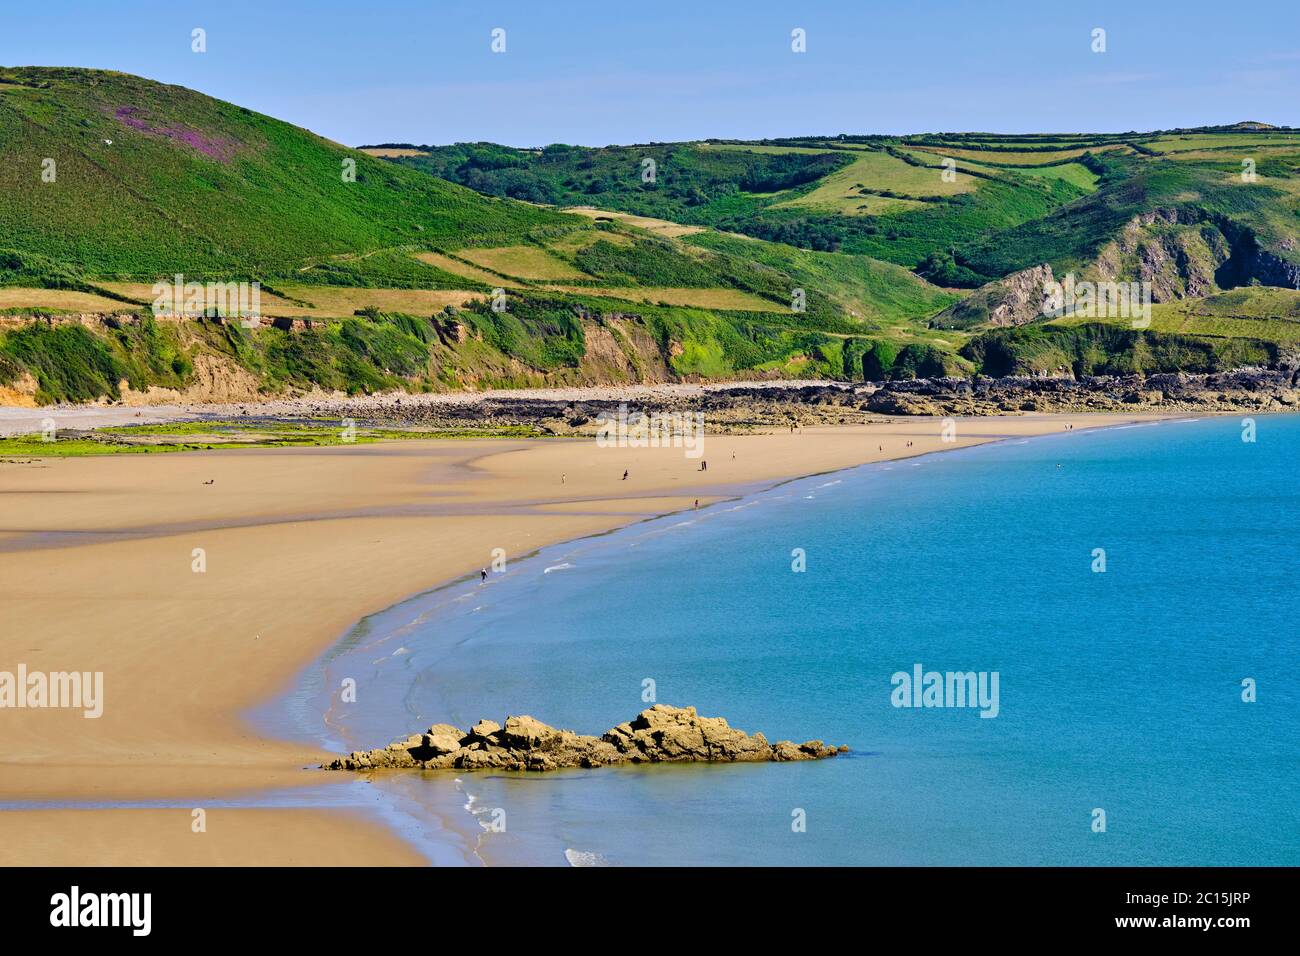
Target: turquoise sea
1118 690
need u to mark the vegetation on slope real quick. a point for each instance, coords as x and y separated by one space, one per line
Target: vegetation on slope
1107 349
820 256
150 179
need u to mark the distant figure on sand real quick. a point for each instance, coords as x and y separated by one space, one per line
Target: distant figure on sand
625 474
562 478
482 573
697 504
704 466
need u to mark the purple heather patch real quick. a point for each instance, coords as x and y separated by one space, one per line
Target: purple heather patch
220 148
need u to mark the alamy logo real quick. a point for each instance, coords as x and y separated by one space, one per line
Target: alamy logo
38 689
922 688
1128 300
103 909
196 300
656 430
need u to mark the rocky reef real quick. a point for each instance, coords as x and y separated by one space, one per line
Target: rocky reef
1242 390
749 407
661 734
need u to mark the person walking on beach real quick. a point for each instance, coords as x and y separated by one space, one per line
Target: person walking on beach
482 572
625 474
704 466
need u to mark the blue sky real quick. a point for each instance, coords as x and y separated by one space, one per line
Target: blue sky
604 72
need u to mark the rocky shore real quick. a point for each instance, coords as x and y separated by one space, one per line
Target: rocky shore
764 406
1242 390
732 408
660 734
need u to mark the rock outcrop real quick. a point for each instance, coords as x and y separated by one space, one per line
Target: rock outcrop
1247 389
1178 252
1013 300
661 734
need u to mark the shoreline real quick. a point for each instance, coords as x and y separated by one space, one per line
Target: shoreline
462 493
409 795
19 419
732 406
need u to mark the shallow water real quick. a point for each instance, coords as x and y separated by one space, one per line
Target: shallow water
1118 691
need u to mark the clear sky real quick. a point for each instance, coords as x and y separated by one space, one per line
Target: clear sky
594 73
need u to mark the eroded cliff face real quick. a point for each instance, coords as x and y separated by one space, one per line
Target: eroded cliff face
1267 268
1014 300
216 361
1180 252
20 392
216 378
1178 259
620 350
1188 253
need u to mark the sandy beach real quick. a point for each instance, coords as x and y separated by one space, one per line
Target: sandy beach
98 573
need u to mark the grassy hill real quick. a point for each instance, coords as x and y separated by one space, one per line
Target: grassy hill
480 265
866 197
1194 213
960 209
151 178
393 268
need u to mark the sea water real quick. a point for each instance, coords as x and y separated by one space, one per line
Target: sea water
1133 590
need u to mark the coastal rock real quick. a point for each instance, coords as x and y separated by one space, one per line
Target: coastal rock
740 408
892 403
525 733
1014 300
442 743
659 734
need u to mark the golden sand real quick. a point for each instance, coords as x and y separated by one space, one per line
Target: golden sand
97 560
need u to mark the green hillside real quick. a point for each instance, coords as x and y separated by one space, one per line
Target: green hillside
1192 214
1005 203
152 178
479 265
866 198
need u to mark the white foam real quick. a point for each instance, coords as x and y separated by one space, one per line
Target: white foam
584 858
